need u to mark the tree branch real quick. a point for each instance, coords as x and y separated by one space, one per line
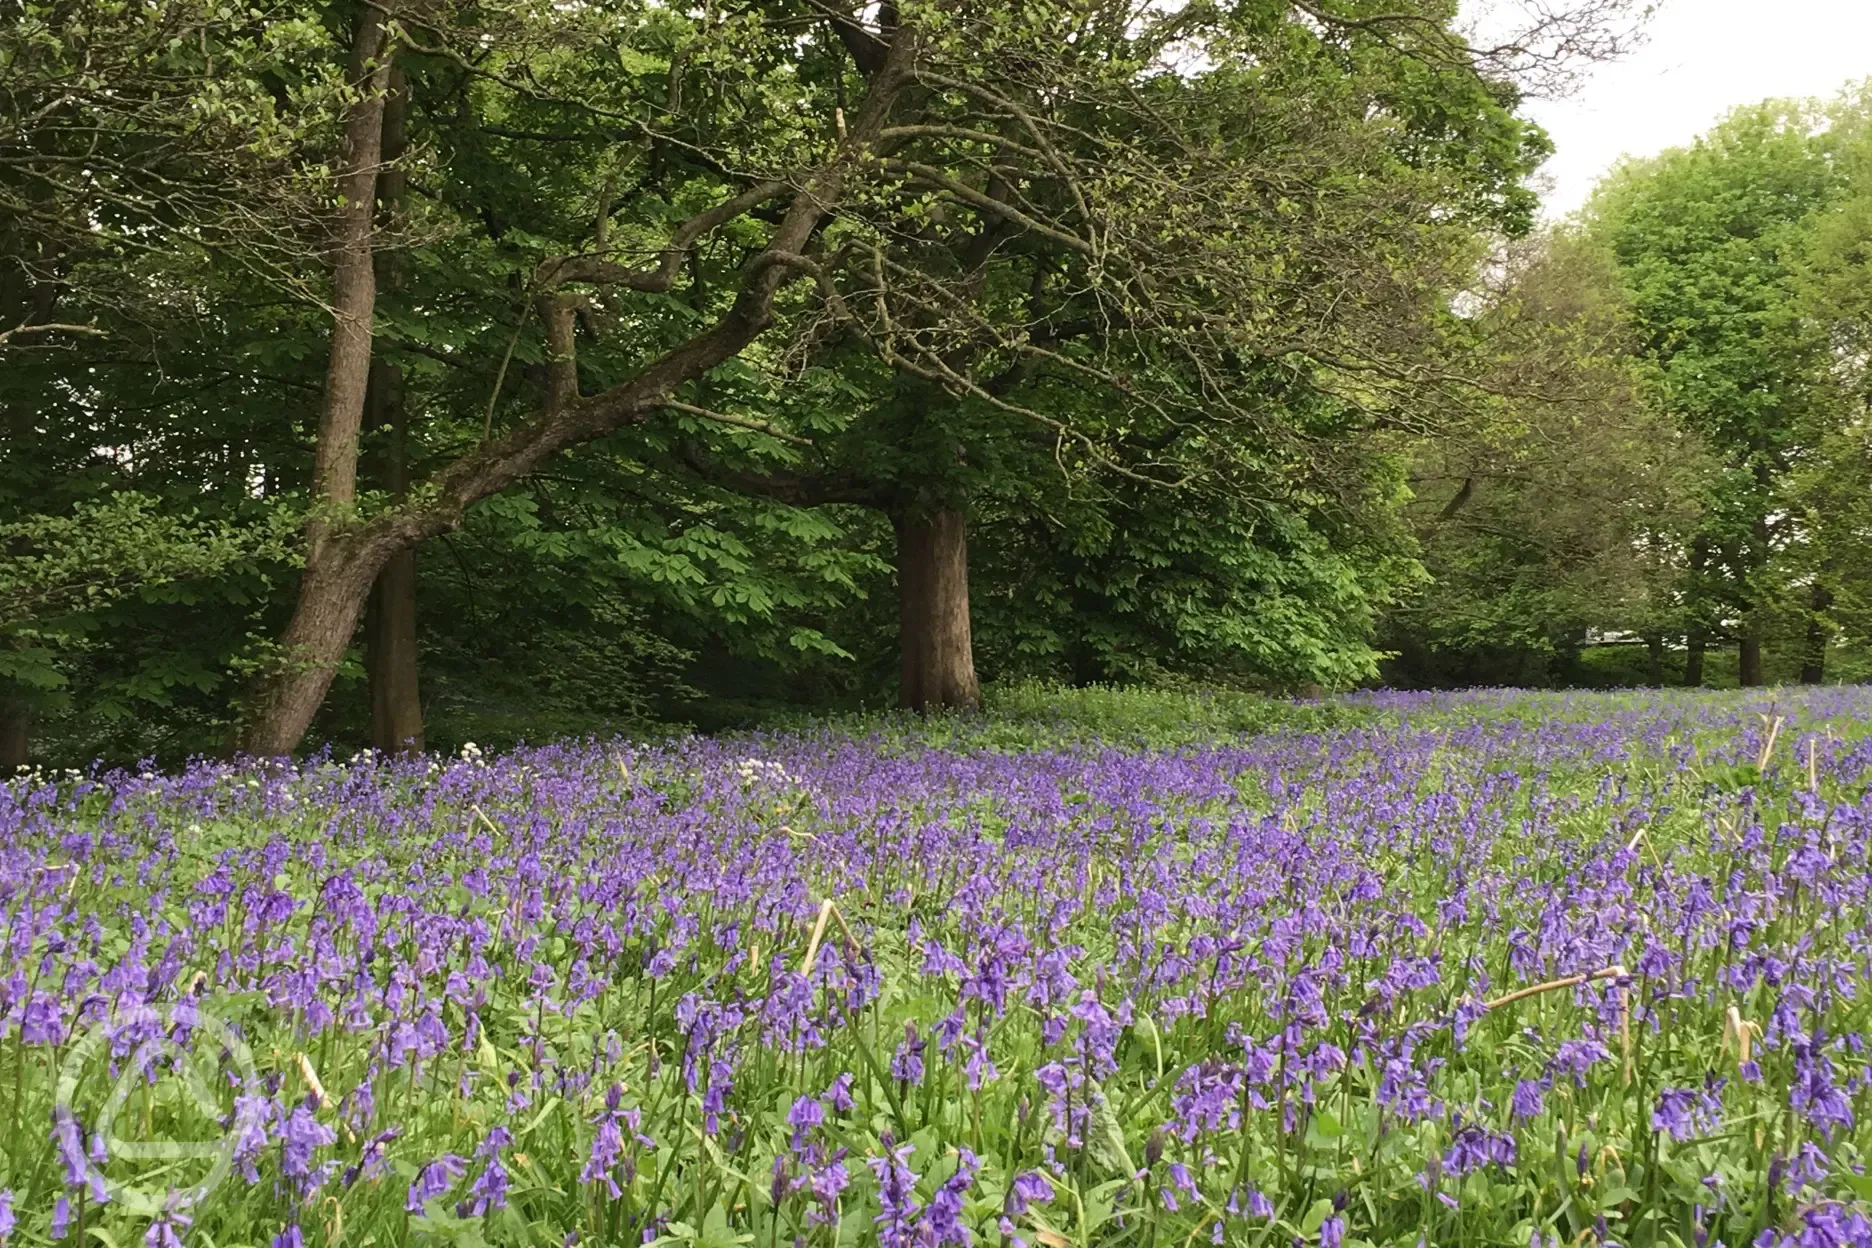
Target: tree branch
49 327
739 422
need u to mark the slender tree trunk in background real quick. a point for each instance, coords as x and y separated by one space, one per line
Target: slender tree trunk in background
15 729
938 668
1698 639
1749 659
1654 660
391 657
330 599
1813 652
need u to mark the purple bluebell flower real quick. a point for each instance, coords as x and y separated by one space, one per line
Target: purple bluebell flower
434 1180
907 1062
301 1137
898 1212
1029 1187
165 1231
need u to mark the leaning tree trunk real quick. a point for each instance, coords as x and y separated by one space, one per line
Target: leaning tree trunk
329 596
15 726
332 594
938 668
391 660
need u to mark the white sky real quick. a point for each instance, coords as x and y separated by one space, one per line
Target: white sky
1701 59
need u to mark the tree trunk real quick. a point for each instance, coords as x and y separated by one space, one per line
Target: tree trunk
330 594
354 293
1813 652
390 653
1698 639
559 313
392 658
1654 660
1749 662
15 726
933 610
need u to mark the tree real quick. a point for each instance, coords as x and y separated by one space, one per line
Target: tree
1830 480
1708 242
1569 511
135 141
135 137
1292 219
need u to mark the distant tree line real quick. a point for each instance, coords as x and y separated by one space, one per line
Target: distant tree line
1703 498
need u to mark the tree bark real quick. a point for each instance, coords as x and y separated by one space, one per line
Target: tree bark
1654 660
1749 657
1749 661
391 657
332 595
559 313
938 657
15 730
334 586
1697 641
1813 652
354 292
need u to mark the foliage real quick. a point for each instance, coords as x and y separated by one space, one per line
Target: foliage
1025 716
1709 242
1570 510
69 581
1832 483
137 139
1695 472
1144 587
68 565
